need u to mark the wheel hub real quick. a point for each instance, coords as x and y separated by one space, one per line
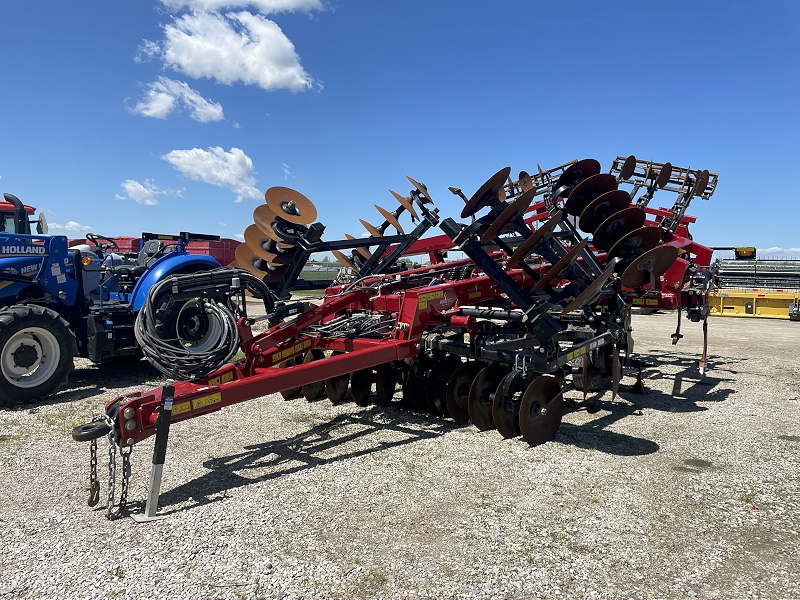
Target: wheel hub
26 356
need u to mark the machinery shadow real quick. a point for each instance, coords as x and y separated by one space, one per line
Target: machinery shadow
323 444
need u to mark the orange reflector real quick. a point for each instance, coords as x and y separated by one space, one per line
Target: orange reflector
86 261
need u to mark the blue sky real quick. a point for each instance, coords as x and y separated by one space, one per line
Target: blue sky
168 115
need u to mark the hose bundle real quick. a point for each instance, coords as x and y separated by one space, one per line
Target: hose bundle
187 328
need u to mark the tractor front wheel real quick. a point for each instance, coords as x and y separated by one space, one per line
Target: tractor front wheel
37 350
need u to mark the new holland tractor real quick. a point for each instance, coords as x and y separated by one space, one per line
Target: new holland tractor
58 303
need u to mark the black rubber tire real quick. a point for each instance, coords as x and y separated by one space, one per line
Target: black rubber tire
18 317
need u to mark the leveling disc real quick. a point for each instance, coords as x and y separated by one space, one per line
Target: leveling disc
511 212
701 183
591 291
525 181
541 410
407 204
577 172
264 217
541 234
343 260
656 261
481 395
436 384
457 395
565 261
635 243
373 231
603 207
610 231
290 205
421 189
628 167
587 190
505 408
312 391
663 175
257 241
488 194
391 218
284 258
362 251
249 260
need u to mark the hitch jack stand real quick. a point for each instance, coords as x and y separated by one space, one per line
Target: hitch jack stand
159 456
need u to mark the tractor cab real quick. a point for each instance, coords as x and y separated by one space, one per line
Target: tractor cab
14 217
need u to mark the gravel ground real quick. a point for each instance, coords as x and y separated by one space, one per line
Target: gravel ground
690 490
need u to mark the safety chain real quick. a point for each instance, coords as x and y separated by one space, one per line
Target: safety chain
112 513
94 483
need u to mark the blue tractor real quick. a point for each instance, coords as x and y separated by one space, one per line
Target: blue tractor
57 302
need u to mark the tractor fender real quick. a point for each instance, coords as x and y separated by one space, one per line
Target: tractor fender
170 264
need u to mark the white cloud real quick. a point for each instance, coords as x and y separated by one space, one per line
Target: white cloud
777 252
239 236
70 226
163 96
286 171
236 125
235 47
263 6
233 170
146 51
145 193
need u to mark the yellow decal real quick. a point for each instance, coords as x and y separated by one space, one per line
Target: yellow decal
224 378
576 353
473 295
291 351
179 409
214 398
638 300
424 298
652 302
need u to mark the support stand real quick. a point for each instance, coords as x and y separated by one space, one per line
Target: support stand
159 455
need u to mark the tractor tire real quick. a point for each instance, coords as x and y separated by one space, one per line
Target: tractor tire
37 351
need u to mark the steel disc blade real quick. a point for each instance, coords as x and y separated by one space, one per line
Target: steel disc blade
525 181
283 259
592 290
587 190
554 271
628 167
436 385
391 218
421 189
505 409
488 194
290 205
343 260
414 392
362 251
373 231
577 172
635 243
361 386
295 391
701 183
656 262
603 207
610 231
541 411
513 210
288 232
250 261
257 241
541 234
663 175
312 391
264 218
481 395
386 379
457 395
407 204
336 387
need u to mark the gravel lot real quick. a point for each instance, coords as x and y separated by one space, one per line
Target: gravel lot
690 490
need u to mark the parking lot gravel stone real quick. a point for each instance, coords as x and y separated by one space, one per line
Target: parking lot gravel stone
691 490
